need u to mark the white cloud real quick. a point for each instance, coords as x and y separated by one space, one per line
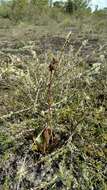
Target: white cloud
100 3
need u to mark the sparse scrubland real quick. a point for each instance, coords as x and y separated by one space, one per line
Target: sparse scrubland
76 157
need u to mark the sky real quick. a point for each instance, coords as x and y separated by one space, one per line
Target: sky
101 3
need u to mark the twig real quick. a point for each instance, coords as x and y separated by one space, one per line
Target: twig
21 173
15 113
50 100
64 46
18 112
52 68
46 184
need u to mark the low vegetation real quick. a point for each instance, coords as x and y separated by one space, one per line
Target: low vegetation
53 98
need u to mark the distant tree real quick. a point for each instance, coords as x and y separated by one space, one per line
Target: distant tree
50 3
39 3
5 9
18 8
58 4
69 6
73 5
